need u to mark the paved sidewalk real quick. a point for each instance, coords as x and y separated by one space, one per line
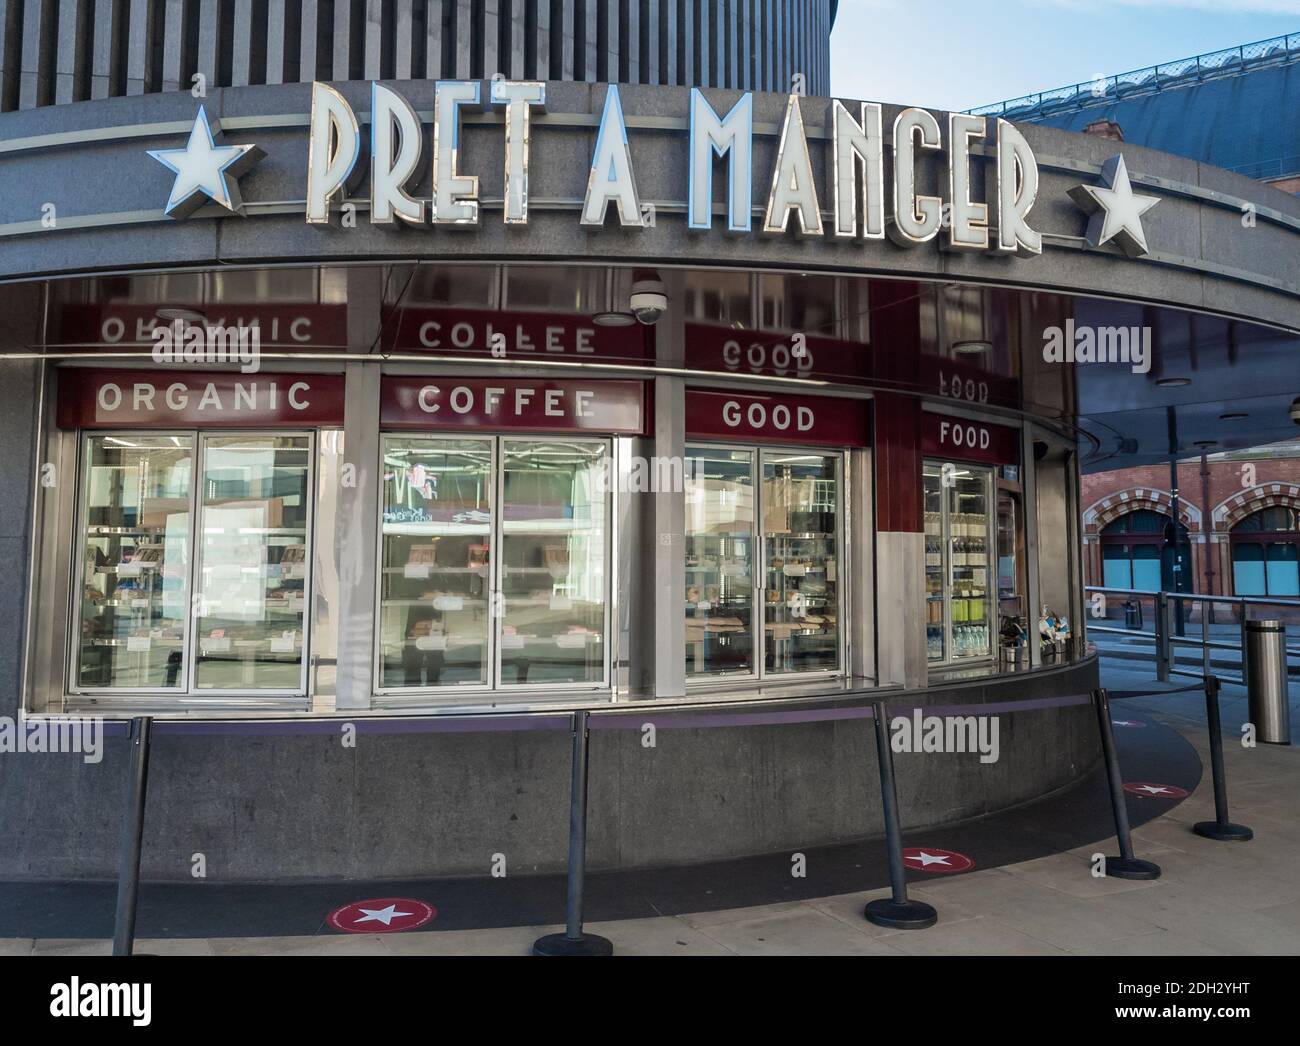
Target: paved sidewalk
1214 898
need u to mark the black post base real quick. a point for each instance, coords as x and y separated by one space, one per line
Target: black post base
1131 868
559 944
909 915
1226 833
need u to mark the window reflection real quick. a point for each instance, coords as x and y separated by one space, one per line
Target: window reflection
436 581
553 573
801 561
254 516
135 574
719 561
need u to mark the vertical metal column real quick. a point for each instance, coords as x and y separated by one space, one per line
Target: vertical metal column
128 868
896 911
1125 866
1220 828
573 941
1164 647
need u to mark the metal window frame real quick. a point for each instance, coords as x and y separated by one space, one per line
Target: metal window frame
759 673
950 660
378 687
80 536
188 692
301 693
497 441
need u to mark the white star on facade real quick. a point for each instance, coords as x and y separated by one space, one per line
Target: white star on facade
205 170
1152 789
929 859
381 915
1115 208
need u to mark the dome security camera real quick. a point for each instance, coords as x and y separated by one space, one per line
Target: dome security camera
649 301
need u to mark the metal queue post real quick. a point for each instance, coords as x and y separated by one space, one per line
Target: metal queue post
574 941
128 871
1220 829
897 912
1126 865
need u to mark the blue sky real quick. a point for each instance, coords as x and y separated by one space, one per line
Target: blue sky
981 51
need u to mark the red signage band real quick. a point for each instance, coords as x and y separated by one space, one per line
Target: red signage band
960 439
777 418
729 351
97 399
518 335
306 326
519 404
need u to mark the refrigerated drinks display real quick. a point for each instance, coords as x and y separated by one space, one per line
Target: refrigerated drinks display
958 563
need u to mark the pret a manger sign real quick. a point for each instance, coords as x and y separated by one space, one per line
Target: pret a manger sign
863 203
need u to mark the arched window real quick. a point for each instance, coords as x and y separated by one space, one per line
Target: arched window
1266 553
1131 552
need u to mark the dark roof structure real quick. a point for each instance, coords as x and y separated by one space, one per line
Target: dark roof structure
1231 108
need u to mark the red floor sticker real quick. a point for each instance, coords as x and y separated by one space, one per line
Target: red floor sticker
1128 722
931 859
385 915
1147 790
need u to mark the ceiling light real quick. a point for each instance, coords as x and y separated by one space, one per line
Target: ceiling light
613 319
1236 415
972 348
1172 383
171 313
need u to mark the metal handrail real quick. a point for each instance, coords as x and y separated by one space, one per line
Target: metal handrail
1167 641
1152 79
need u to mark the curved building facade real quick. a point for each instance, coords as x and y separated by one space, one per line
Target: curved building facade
58 51
363 430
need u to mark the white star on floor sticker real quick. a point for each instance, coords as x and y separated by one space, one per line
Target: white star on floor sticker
205 170
929 859
1115 208
382 915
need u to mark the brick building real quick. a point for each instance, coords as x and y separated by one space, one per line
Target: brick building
1240 511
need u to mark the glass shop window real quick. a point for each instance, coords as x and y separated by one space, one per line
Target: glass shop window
194 586
494 563
1266 553
763 535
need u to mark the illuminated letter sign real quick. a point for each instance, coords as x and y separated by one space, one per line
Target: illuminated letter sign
855 168
732 138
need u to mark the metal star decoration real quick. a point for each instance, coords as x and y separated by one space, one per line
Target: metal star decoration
205 170
1115 208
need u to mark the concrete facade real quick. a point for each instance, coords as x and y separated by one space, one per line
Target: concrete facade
57 51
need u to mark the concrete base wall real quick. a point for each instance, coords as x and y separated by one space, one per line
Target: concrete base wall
306 807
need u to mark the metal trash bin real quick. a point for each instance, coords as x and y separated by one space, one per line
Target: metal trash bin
1133 615
1267 681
